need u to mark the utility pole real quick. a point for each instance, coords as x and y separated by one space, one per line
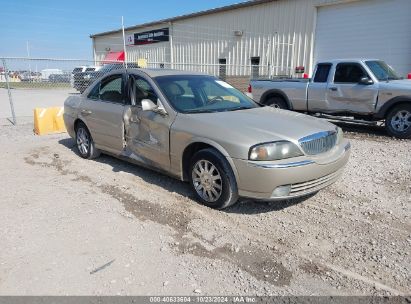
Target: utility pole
28 57
124 42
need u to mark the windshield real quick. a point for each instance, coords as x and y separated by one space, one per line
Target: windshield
381 70
202 94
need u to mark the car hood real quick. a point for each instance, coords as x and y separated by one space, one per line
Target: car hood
237 131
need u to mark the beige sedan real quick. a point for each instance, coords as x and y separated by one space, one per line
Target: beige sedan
200 129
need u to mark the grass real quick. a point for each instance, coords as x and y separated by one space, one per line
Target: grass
36 85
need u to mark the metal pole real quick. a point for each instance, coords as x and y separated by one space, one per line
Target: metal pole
28 57
171 45
124 42
6 71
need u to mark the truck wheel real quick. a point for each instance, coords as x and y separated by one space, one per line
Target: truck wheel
85 143
276 102
398 121
213 180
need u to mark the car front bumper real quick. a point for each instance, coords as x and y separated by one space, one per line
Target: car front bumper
285 179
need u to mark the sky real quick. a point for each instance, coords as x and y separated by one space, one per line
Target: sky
61 29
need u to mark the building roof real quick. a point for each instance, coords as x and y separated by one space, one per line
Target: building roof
187 16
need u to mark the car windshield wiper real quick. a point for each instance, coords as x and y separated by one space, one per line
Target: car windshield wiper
200 111
238 108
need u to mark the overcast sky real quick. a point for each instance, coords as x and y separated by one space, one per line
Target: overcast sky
61 29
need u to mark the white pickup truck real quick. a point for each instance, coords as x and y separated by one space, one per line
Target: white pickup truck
362 89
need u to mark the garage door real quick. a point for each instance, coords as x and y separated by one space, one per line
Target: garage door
367 29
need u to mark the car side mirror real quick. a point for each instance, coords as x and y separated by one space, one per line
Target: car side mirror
366 81
148 105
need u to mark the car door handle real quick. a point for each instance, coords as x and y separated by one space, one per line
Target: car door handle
333 89
86 112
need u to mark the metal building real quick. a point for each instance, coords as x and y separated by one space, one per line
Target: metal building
269 37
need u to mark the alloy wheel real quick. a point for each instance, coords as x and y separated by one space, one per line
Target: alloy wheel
207 181
401 121
83 141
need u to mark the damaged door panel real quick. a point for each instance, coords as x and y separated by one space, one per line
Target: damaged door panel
147 133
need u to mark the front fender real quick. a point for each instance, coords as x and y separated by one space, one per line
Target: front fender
215 145
383 111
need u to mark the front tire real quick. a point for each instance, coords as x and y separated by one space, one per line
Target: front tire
398 122
212 179
85 143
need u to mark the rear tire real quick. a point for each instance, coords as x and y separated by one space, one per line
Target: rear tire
85 143
212 180
398 122
276 102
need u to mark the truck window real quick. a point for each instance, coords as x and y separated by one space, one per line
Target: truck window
349 73
321 75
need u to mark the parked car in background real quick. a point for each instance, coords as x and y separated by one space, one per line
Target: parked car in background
93 68
45 74
76 70
84 79
62 78
25 76
364 89
202 130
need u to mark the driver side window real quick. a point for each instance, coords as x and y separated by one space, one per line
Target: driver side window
349 73
140 89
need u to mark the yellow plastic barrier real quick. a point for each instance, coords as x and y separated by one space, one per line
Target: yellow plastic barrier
49 120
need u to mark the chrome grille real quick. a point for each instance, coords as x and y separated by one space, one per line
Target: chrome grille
319 142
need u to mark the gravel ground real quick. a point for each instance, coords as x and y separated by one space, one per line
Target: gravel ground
70 226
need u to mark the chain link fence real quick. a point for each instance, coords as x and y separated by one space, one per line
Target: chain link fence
44 82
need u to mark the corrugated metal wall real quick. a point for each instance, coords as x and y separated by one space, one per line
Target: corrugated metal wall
280 33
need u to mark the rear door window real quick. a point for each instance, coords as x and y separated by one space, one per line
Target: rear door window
111 89
323 70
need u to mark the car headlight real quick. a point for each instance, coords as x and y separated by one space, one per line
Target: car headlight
340 135
274 151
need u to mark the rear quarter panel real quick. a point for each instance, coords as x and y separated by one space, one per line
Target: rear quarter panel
71 110
295 91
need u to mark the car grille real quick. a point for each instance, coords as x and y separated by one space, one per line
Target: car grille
318 143
315 184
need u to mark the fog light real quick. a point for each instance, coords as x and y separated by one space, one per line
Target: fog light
281 191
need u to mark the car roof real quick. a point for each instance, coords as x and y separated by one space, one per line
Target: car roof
342 60
160 72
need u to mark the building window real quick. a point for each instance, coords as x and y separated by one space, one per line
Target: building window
222 72
255 67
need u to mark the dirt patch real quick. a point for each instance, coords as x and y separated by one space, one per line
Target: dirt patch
261 265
